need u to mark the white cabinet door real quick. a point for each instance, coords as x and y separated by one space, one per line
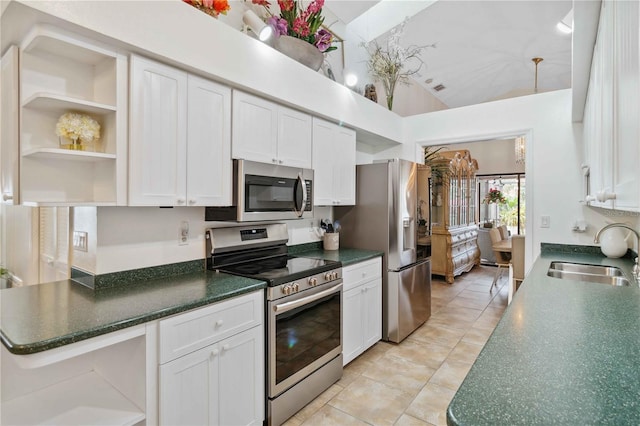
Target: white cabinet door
344 167
221 384
322 163
255 128
352 329
294 138
208 143
334 164
158 134
626 149
372 327
241 379
9 134
187 387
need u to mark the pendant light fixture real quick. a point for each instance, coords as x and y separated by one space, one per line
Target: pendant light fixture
536 61
520 141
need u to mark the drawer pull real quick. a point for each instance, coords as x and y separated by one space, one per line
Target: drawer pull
219 323
225 348
215 352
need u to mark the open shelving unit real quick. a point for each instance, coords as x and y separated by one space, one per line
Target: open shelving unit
62 72
99 381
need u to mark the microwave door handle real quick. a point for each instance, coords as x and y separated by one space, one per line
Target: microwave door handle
303 184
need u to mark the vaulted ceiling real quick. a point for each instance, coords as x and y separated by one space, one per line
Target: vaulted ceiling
483 48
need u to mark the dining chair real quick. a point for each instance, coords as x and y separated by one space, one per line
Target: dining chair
502 260
516 271
504 232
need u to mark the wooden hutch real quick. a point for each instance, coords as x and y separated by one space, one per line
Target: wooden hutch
454 232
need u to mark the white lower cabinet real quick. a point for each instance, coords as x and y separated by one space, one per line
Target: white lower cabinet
221 382
362 307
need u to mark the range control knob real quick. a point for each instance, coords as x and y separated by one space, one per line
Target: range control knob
286 289
295 287
327 276
334 275
313 281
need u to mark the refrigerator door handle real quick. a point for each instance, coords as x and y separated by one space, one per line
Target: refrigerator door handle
411 265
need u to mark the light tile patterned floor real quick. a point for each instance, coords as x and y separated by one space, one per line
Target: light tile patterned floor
412 383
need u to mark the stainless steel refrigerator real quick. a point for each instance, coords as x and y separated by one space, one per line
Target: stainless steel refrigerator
385 219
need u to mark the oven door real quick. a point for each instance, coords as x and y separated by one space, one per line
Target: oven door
304 333
268 192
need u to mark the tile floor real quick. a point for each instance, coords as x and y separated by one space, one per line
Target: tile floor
412 383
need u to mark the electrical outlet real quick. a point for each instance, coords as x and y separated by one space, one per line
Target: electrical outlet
80 241
183 233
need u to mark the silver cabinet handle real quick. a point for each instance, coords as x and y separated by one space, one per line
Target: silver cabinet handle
7 197
192 202
180 201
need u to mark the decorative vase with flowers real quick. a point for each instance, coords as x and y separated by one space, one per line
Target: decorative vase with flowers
77 131
299 31
392 64
210 7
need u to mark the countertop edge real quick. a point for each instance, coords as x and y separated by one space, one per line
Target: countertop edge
27 349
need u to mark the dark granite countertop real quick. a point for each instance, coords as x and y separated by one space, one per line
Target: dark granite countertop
565 352
45 316
347 256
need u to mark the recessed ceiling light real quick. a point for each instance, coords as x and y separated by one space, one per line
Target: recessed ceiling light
429 81
565 25
439 87
564 28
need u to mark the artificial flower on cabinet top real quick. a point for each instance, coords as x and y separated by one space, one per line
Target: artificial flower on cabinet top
296 21
210 7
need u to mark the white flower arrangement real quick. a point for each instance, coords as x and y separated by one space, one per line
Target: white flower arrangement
78 127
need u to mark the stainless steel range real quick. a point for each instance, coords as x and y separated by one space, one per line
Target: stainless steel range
303 312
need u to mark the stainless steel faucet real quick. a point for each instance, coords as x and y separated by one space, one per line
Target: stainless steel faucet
636 268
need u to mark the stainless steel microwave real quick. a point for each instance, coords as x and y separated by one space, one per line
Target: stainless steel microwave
263 191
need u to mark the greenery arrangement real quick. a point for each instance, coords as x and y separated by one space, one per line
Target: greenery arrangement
393 63
300 22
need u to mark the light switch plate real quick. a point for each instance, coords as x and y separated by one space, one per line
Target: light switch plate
545 221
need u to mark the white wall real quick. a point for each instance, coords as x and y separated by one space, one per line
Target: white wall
410 99
139 237
554 155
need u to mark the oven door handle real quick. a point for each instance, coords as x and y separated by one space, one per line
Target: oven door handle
288 306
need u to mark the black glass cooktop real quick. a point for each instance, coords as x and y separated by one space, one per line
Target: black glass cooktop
281 269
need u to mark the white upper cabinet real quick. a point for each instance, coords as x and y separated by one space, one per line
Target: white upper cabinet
266 132
334 164
179 138
611 123
63 72
626 175
9 134
208 143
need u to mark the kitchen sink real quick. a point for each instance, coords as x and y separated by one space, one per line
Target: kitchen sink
588 273
610 271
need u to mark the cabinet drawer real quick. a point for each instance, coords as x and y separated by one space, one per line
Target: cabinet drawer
354 275
188 332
